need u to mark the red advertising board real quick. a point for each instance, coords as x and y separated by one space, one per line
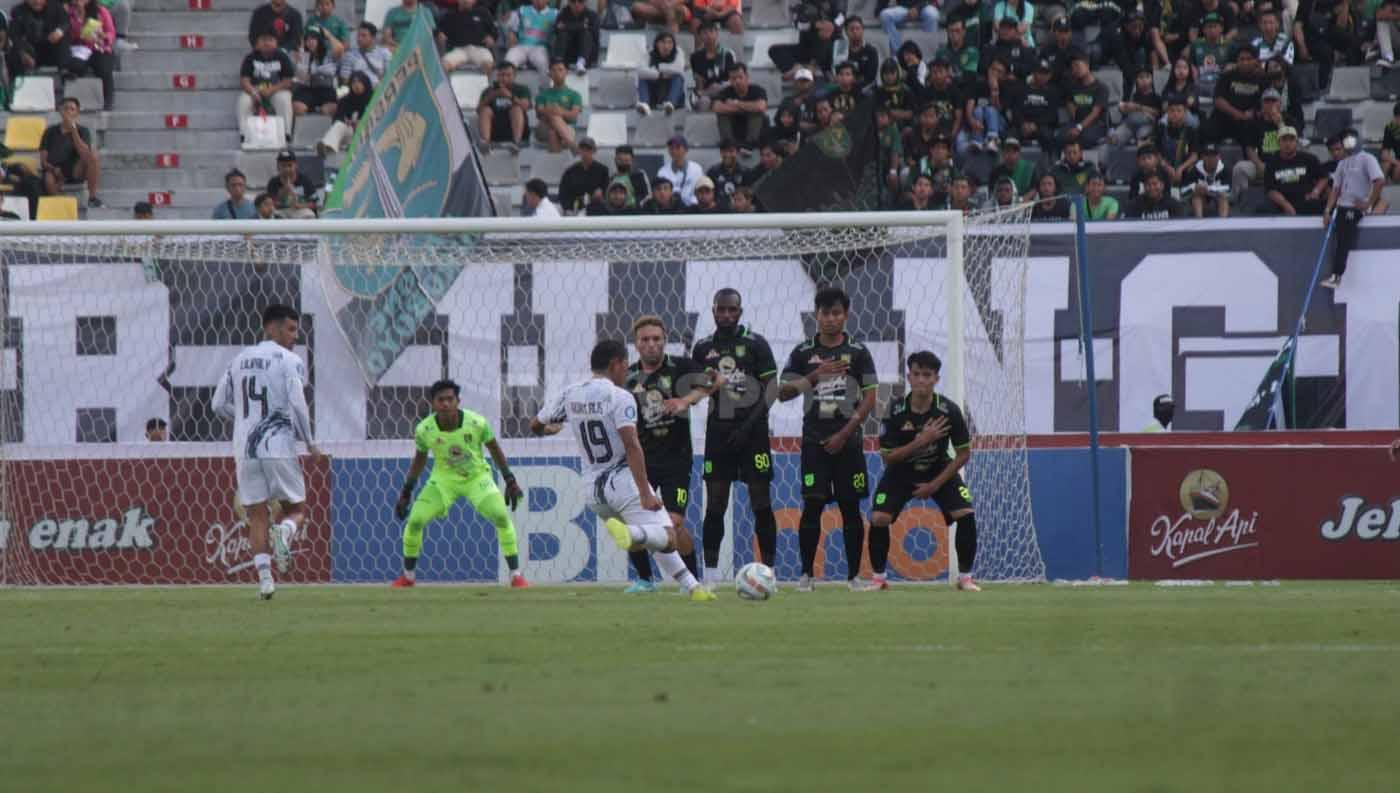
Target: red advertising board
146 521
1264 512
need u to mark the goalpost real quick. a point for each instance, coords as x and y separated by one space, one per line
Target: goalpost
109 326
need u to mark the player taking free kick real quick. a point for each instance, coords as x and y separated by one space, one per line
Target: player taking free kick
602 417
263 391
454 438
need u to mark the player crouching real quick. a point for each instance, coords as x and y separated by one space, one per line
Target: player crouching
914 444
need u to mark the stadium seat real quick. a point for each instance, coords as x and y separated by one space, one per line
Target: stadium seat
1374 117
16 204
33 93
608 129
616 90
1308 80
626 51
468 87
1330 121
501 198
23 133
309 129
653 131
1112 79
579 82
58 207
375 11
1120 164
1350 83
1385 87
501 168
1391 195
768 14
550 167
702 130
87 90
762 40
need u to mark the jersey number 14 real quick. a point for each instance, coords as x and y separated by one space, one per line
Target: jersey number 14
252 393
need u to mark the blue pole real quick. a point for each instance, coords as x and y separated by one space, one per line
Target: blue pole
1086 338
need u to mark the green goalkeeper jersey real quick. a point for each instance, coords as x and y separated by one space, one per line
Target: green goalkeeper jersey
457 454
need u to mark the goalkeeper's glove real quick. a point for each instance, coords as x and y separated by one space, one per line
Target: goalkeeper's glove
513 492
401 508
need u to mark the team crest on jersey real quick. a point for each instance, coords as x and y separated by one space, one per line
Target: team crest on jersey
908 425
664 382
845 357
712 354
739 351
815 360
639 388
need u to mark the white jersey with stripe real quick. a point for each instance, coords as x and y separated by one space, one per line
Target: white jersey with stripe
264 392
593 412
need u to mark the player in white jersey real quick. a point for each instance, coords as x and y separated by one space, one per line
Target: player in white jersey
602 417
263 391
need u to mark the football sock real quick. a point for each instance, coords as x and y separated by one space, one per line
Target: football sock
289 527
641 562
513 562
809 533
712 574
713 529
765 527
879 548
691 564
966 543
410 562
853 531
263 562
671 564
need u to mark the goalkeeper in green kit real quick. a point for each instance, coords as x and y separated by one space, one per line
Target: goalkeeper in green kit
455 437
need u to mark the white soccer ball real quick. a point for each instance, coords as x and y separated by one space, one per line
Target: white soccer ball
755 581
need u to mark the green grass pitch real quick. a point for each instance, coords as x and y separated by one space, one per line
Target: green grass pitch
1020 688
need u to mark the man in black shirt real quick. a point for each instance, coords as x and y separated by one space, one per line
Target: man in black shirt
577 35
726 174
585 180
1087 101
639 184
915 441
1238 96
663 199
736 434
835 375
865 57
1039 113
710 65
942 95
1149 161
1011 49
38 33
293 191
741 107
1295 179
1059 51
67 154
467 35
265 78
279 19
666 389
846 95
1155 204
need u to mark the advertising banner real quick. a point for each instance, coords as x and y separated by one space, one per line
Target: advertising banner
1263 512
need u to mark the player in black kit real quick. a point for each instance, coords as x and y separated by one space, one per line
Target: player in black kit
914 445
837 376
736 434
666 388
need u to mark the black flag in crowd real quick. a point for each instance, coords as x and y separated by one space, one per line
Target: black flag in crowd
836 169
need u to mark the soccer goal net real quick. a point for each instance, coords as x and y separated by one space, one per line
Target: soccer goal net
114 468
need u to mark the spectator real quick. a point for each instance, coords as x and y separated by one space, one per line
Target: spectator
983 112
1049 204
67 156
576 36
1003 195
467 35
1194 18
1273 44
316 70
1140 109
895 14
1097 205
743 202
584 181
1088 105
726 175
1209 53
1058 51
942 96
236 206
669 14
1387 28
266 207
618 201
157 430
663 199
121 20
503 111
920 139
1176 141
1238 96
365 57
1335 154
279 19
662 83
741 108
972 13
558 107
536 201
142 210
891 156
938 166
911 61
639 186
293 191
920 197
816 43
1072 172
826 117
893 93
864 55
1390 146
400 19
803 100
38 33
845 94
1260 141
1009 47
965 57
720 12
785 132
1208 183
347 114
1328 35
1148 163
770 159
1180 84
1296 180
1020 172
1129 47
682 174
266 79
529 30
333 29
93 35
1039 115
1356 193
960 194
705 201
1023 14
1154 203
710 65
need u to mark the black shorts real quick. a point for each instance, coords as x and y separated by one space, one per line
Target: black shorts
749 461
834 477
500 127
897 489
673 488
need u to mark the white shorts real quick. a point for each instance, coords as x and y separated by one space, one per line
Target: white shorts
614 495
266 479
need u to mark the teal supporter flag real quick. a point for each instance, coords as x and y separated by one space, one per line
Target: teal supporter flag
411 157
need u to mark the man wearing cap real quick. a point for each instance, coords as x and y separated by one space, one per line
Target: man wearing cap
895 14
1260 144
741 109
584 181
1039 113
801 102
1210 52
293 192
1087 103
1195 14
1011 49
1058 51
683 174
558 107
1163 411
705 201
1208 184
1356 193
1295 179
1012 167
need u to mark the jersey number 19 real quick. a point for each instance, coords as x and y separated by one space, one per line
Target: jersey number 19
594 439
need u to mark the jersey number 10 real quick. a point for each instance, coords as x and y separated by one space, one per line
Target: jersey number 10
251 394
594 438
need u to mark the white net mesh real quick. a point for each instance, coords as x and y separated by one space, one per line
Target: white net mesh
105 335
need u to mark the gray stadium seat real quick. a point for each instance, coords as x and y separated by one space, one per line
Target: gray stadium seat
501 167
1112 79
701 130
768 14
1120 164
653 130
1350 83
87 90
308 130
616 90
1330 121
1374 117
550 167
